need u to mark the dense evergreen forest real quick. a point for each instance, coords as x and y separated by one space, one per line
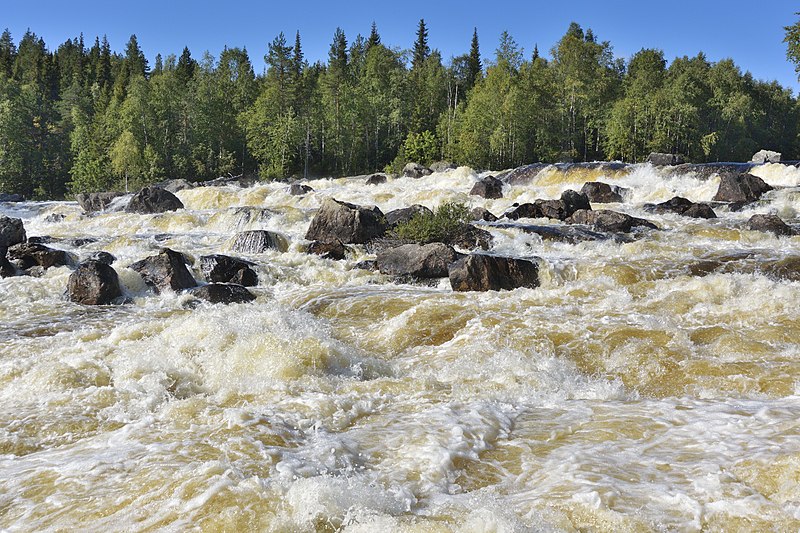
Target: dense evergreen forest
84 118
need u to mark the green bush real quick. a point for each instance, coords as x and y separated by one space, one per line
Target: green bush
440 226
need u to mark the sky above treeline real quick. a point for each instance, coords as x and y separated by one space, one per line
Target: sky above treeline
750 32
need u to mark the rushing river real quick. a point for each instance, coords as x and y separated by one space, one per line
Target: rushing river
627 393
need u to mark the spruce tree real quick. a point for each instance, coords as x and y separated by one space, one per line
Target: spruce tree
374 37
134 58
186 67
474 67
421 48
8 53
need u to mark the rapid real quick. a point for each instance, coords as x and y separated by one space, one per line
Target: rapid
631 391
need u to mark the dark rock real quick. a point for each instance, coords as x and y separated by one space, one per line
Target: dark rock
96 201
369 264
7 270
574 201
236 181
165 271
700 211
11 197
479 272
222 293
54 218
12 231
766 156
328 250
225 269
663 160
247 214
398 216
442 166
526 210
415 170
682 206
740 188
488 187
562 209
77 243
258 241
769 223
705 171
559 233
471 238
102 257
27 255
602 193
605 220
480 213
415 260
787 269
375 179
348 223
153 200
175 185
299 189
94 283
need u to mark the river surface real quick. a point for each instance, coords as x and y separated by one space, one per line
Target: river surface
627 393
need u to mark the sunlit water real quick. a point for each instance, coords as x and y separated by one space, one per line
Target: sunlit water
624 394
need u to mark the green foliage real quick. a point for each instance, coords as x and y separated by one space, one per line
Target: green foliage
792 41
443 224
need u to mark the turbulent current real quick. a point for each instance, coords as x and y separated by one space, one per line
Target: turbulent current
631 391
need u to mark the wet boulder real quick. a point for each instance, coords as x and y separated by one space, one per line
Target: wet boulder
684 207
442 166
770 224
375 179
481 213
662 160
328 250
415 170
222 293
93 283
416 260
28 255
469 237
611 221
574 201
96 201
488 187
7 270
12 231
399 216
480 272
348 223
602 193
153 200
741 187
102 257
259 241
526 210
175 185
219 268
299 189
766 156
165 271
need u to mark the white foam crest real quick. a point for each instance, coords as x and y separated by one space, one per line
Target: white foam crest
777 174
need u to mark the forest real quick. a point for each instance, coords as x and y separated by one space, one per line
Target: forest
86 118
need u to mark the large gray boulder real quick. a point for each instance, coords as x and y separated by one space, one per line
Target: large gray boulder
348 223
219 268
165 271
662 160
93 283
766 156
222 293
480 272
259 241
12 231
399 216
96 201
488 187
415 170
611 221
771 224
418 261
602 193
153 200
744 188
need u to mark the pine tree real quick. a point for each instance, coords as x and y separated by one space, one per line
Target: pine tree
421 48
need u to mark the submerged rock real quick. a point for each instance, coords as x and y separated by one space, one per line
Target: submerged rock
470 238
766 156
12 231
442 166
682 206
480 272
559 233
348 223
561 209
94 283
770 224
602 193
481 213
328 250
415 170
488 187
96 201
375 179
612 221
416 260
219 268
740 188
299 189
222 293
27 255
259 241
399 216
165 271
153 200
102 257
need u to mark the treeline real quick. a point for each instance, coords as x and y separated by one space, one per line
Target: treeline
86 118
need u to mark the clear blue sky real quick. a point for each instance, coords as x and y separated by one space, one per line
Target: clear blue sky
750 32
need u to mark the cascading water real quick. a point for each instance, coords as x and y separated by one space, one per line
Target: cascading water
632 391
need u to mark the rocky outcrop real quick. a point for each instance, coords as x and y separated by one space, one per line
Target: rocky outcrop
222 293
299 189
12 231
744 188
94 202
662 160
770 224
93 283
481 213
611 221
479 272
375 179
415 170
766 156
225 269
399 216
165 271
328 250
488 187
561 209
348 223
259 241
682 206
153 200
602 193
417 261
28 255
